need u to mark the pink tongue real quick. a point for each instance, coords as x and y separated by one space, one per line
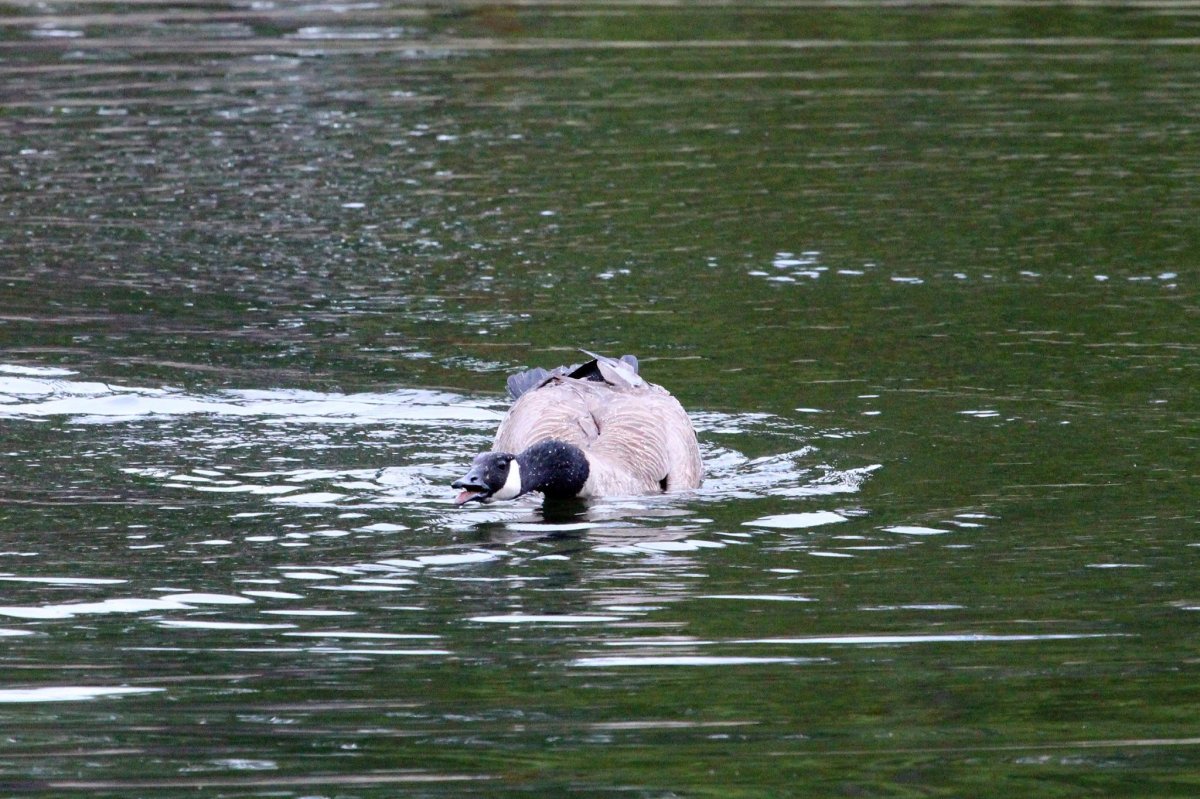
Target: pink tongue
464 497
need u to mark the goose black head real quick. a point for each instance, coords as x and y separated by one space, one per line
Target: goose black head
493 476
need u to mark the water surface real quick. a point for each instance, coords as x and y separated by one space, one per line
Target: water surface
924 278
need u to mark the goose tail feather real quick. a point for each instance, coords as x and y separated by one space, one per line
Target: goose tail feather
523 382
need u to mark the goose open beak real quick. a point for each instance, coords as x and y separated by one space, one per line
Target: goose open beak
466 496
471 488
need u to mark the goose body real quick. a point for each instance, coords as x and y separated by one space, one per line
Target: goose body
593 430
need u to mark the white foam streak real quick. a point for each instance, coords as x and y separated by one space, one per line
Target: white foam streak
520 618
63 580
67 611
795 521
682 660
68 693
36 396
952 638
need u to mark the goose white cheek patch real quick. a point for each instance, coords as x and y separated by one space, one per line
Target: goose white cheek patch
512 484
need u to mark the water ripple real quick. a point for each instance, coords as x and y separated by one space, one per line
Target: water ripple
437 431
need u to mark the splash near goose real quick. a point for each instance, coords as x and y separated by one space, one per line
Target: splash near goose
593 430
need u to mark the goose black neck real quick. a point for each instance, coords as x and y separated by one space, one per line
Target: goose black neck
555 468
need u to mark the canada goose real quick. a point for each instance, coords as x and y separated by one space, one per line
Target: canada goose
593 430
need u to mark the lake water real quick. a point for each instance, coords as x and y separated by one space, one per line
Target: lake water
925 277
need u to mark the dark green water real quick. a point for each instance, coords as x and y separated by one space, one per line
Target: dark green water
925 276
